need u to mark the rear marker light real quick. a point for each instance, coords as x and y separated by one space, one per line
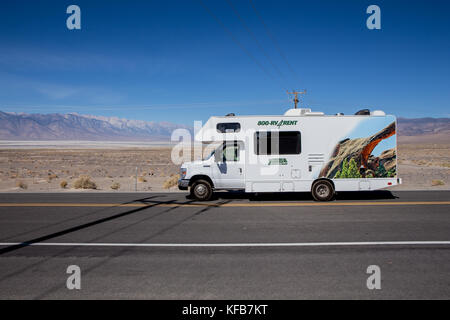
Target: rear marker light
389 183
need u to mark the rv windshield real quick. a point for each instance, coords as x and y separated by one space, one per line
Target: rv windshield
215 147
209 156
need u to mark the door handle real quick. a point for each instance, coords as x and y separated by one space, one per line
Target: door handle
240 170
206 166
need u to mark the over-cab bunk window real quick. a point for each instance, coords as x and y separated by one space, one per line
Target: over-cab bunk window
228 127
277 142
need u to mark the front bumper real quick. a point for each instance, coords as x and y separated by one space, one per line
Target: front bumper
183 184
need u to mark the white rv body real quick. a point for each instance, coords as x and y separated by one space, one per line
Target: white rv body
288 153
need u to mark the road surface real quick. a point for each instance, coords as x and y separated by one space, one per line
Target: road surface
166 246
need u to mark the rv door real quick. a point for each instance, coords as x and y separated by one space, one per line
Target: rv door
229 165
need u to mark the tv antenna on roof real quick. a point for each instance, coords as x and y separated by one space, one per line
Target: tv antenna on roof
296 93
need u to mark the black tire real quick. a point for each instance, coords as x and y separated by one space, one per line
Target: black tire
201 190
322 190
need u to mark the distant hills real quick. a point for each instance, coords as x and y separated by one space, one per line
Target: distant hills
423 126
23 126
72 126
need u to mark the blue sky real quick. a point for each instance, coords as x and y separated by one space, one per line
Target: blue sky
176 61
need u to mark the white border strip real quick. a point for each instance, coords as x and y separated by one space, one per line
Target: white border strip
174 245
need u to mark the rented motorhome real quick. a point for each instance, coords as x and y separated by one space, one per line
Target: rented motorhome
300 151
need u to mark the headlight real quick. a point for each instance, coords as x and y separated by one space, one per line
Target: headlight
183 172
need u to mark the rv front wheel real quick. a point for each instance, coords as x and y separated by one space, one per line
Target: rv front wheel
201 190
322 190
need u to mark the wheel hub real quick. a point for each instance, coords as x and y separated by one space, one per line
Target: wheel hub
200 189
323 191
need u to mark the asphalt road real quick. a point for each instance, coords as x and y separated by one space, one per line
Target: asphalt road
165 246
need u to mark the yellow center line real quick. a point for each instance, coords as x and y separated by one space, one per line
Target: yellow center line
264 204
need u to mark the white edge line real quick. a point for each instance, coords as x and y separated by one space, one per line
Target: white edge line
305 244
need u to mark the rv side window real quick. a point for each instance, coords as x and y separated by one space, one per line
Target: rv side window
231 152
277 142
228 127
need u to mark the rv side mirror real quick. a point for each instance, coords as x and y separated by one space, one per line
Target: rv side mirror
217 156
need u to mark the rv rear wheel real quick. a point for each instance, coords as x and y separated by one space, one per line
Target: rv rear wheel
322 190
201 190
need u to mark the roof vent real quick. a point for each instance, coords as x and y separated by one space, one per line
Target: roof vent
377 113
302 112
297 112
363 112
230 115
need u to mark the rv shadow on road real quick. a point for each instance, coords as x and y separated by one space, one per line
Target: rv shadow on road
303 196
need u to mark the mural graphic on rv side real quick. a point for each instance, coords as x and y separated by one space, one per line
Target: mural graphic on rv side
353 158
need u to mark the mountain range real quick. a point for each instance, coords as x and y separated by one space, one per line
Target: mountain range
423 126
73 126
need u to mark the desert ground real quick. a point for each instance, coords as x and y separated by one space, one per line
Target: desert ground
422 164
110 169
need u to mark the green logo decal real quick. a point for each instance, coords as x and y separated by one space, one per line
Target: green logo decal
279 161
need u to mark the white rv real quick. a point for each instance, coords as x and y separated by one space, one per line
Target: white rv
300 151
